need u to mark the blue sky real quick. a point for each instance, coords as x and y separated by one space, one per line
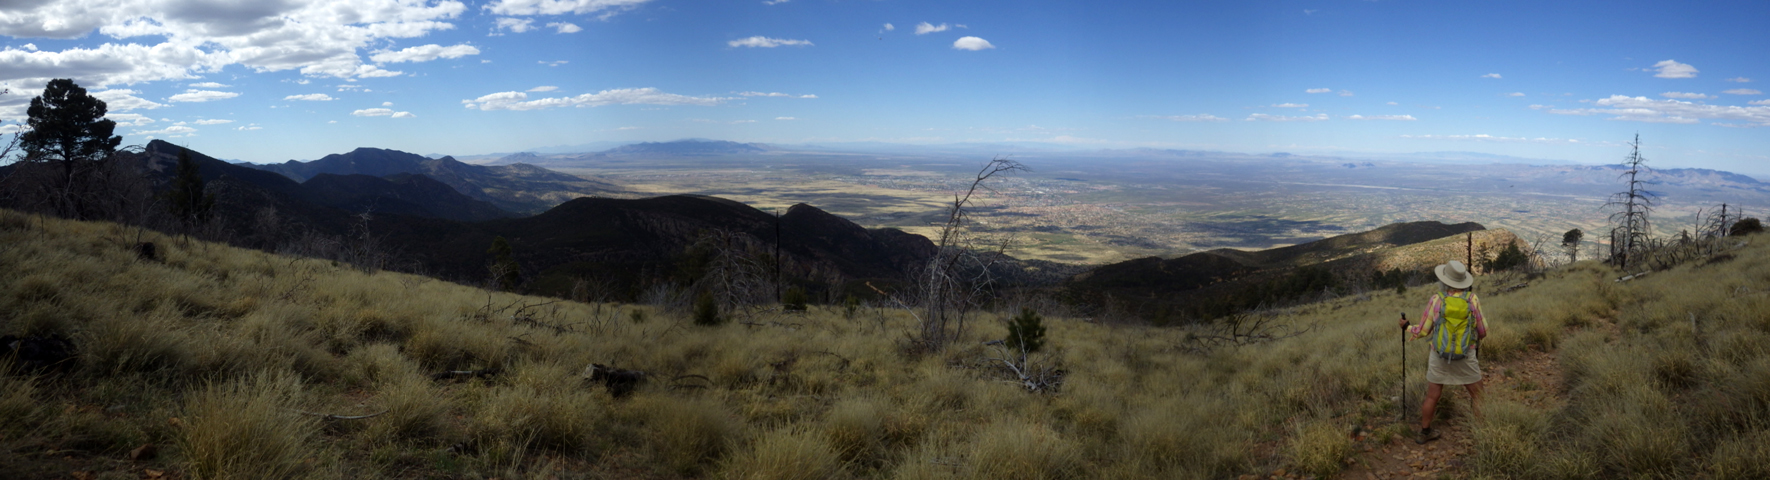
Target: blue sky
269 81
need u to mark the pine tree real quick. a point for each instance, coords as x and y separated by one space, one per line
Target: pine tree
68 129
188 202
1570 241
1632 232
503 267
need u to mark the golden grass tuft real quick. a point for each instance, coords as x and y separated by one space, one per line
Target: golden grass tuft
686 435
1508 441
788 453
1320 447
248 428
1015 449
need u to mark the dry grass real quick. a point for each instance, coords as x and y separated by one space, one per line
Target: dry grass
231 342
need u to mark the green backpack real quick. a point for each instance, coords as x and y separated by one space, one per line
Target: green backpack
1453 332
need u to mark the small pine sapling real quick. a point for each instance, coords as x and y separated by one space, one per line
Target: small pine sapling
794 300
706 310
850 307
1026 333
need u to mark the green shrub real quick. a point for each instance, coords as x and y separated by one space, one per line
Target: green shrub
794 300
706 310
636 315
1026 332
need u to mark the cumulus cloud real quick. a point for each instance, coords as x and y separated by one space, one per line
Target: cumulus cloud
1515 94
1318 90
890 27
765 42
207 85
774 94
1497 139
1742 91
159 40
1491 75
1409 118
1738 80
560 7
622 96
1289 105
1391 103
194 95
423 53
1673 69
563 27
785 118
386 104
1683 95
123 100
544 88
129 119
249 127
972 44
1202 117
1759 102
1345 93
926 28
311 97
517 25
172 130
214 121
1281 118
775 2
1643 109
381 112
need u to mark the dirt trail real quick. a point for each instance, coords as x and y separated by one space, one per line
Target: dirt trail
1534 380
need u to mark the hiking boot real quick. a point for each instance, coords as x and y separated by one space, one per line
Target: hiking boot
1426 435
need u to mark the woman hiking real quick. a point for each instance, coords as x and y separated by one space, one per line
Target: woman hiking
1454 325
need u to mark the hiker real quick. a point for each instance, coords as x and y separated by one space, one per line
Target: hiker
1454 324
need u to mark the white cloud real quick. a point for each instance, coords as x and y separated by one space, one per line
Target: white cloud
775 2
774 94
249 127
1289 105
1683 95
381 112
1202 117
386 104
1409 118
128 119
517 25
1540 107
1318 90
1491 138
1515 94
216 121
1345 93
972 44
563 27
1673 69
629 128
926 28
1738 80
201 96
1491 75
890 27
765 42
808 96
158 40
554 63
350 88
1392 103
1759 102
122 100
423 53
560 7
1643 109
785 118
1742 91
544 88
172 130
208 85
1281 118
311 97
623 96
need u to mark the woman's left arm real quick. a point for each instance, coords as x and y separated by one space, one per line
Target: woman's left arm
1480 320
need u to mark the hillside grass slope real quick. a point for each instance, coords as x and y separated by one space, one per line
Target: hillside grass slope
226 362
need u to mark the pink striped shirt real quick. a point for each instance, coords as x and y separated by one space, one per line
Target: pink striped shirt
1435 308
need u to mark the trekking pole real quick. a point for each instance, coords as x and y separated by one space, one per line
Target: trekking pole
1401 408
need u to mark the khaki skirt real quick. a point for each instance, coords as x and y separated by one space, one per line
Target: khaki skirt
1452 372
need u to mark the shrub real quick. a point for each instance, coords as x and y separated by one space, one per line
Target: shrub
1026 332
1748 225
850 307
636 315
794 300
706 311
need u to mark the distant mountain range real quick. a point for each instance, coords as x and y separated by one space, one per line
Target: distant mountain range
518 188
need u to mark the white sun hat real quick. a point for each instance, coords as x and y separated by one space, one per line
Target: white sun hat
1454 274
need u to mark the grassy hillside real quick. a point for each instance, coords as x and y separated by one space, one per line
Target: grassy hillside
219 357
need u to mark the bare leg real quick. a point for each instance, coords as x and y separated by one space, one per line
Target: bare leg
1475 396
1430 406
